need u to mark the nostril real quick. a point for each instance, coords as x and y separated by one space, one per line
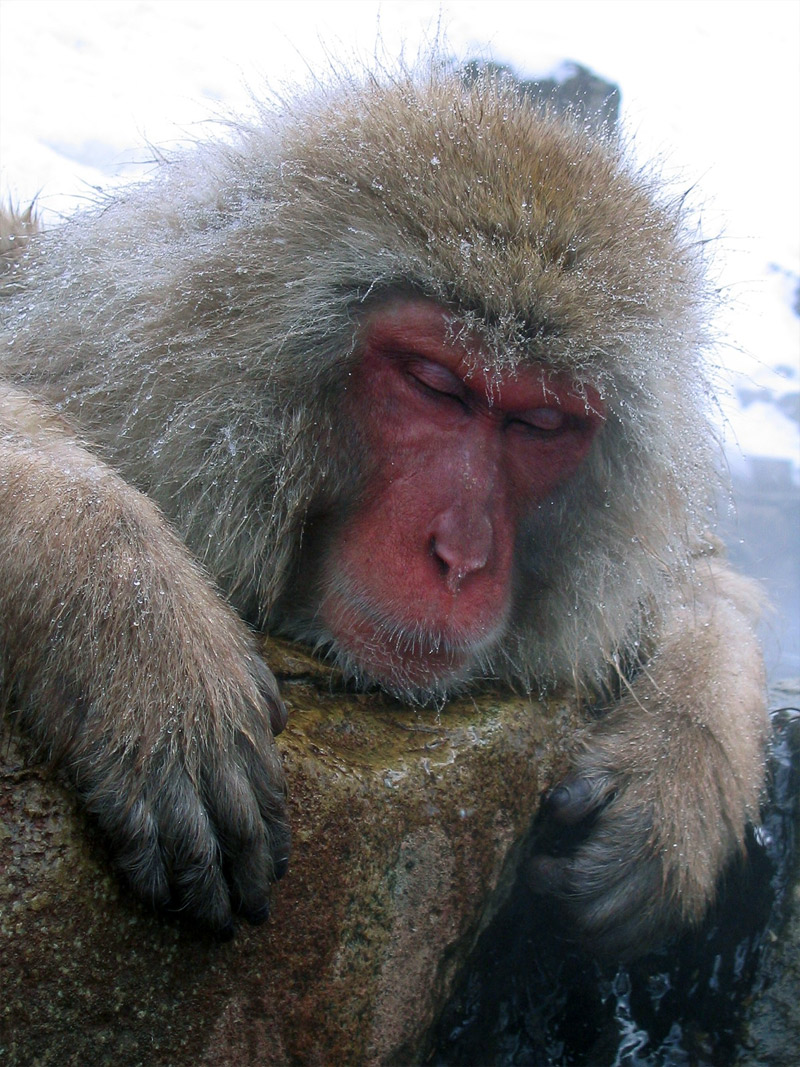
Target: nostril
439 557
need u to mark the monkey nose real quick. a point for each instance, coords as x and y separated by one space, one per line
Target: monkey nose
461 544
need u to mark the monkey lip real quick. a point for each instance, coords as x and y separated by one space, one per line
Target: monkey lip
400 656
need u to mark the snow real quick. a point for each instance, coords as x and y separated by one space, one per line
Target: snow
89 89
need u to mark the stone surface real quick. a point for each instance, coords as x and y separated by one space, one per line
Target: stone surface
405 825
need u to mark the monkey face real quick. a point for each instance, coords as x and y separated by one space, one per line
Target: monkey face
417 585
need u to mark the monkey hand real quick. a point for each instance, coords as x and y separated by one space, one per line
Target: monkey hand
198 824
128 669
633 841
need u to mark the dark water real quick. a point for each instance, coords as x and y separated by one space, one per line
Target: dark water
529 998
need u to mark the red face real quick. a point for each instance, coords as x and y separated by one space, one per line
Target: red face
418 581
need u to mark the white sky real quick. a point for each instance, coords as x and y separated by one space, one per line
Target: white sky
711 86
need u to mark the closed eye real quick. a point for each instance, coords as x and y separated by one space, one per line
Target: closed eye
539 421
434 378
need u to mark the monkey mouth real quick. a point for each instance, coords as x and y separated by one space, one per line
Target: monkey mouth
414 661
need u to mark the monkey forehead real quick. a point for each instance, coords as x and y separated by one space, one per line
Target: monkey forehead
506 197
551 235
422 328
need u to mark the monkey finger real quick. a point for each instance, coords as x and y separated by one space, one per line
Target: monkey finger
133 832
278 716
268 687
250 872
200 891
193 857
576 798
264 775
547 875
248 812
276 828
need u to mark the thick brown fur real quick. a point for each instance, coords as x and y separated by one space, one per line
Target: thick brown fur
200 330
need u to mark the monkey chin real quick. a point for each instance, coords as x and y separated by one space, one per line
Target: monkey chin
418 663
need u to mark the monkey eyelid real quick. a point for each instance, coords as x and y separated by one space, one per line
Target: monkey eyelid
432 378
541 421
435 378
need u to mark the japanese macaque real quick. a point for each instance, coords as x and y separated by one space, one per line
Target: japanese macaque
412 372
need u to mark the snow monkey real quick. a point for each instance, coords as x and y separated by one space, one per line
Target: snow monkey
412 371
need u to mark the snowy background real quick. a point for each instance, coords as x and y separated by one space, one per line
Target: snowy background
87 89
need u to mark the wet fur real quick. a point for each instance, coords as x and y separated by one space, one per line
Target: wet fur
199 330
